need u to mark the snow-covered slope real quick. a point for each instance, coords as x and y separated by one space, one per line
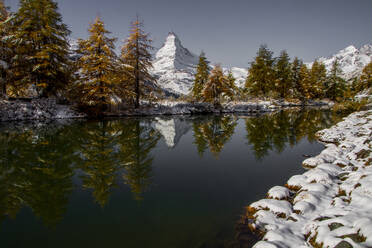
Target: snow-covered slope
175 67
172 129
240 75
352 61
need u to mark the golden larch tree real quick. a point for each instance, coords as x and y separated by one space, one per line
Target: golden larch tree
136 56
216 85
96 85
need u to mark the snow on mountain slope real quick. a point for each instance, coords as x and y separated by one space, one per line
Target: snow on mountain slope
351 60
175 67
240 75
172 129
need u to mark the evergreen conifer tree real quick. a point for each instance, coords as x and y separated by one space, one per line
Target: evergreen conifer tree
216 86
283 75
365 81
335 85
97 63
318 75
136 55
5 49
295 76
261 73
230 83
42 49
305 84
201 77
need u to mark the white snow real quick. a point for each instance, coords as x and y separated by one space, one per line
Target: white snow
175 67
172 129
332 201
351 60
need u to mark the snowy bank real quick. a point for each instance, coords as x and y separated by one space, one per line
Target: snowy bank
36 109
330 205
46 109
180 108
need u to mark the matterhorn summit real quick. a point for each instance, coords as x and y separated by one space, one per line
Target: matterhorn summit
175 66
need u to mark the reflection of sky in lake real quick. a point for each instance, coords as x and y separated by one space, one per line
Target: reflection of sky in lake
128 185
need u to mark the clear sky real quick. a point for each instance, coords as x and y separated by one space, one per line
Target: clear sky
231 31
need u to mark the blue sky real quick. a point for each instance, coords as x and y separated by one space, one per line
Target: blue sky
231 31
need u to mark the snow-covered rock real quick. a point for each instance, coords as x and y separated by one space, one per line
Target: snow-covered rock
36 109
351 60
330 204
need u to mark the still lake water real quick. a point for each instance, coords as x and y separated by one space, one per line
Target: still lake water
145 182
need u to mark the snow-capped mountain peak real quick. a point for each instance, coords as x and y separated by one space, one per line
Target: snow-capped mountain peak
172 55
174 65
349 49
350 59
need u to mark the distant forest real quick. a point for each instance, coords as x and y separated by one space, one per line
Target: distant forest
37 61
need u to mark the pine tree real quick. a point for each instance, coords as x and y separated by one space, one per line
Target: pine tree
305 83
318 75
5 50
216 86
295 76
201 77
230 83
41 44
283 75
335 85
136 55
96 85
261 73
365 81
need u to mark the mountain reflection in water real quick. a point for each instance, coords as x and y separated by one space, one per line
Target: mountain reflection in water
43 164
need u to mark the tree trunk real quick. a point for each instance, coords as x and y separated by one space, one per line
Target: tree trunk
136 105
3 85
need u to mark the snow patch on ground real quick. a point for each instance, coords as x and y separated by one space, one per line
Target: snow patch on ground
36 109
330 204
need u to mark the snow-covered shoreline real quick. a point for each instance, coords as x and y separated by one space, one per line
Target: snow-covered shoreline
48 109
330 205
36 109
187 108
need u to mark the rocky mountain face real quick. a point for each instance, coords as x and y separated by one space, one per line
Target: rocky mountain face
351 60
175 67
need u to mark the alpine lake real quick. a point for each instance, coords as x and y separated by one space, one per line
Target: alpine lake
159 182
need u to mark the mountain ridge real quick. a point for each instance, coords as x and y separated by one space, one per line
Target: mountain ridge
174 66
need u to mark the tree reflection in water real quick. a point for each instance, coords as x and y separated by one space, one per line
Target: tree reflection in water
38 162
272 132
213 132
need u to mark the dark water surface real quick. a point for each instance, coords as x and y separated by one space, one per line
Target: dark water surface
145 182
